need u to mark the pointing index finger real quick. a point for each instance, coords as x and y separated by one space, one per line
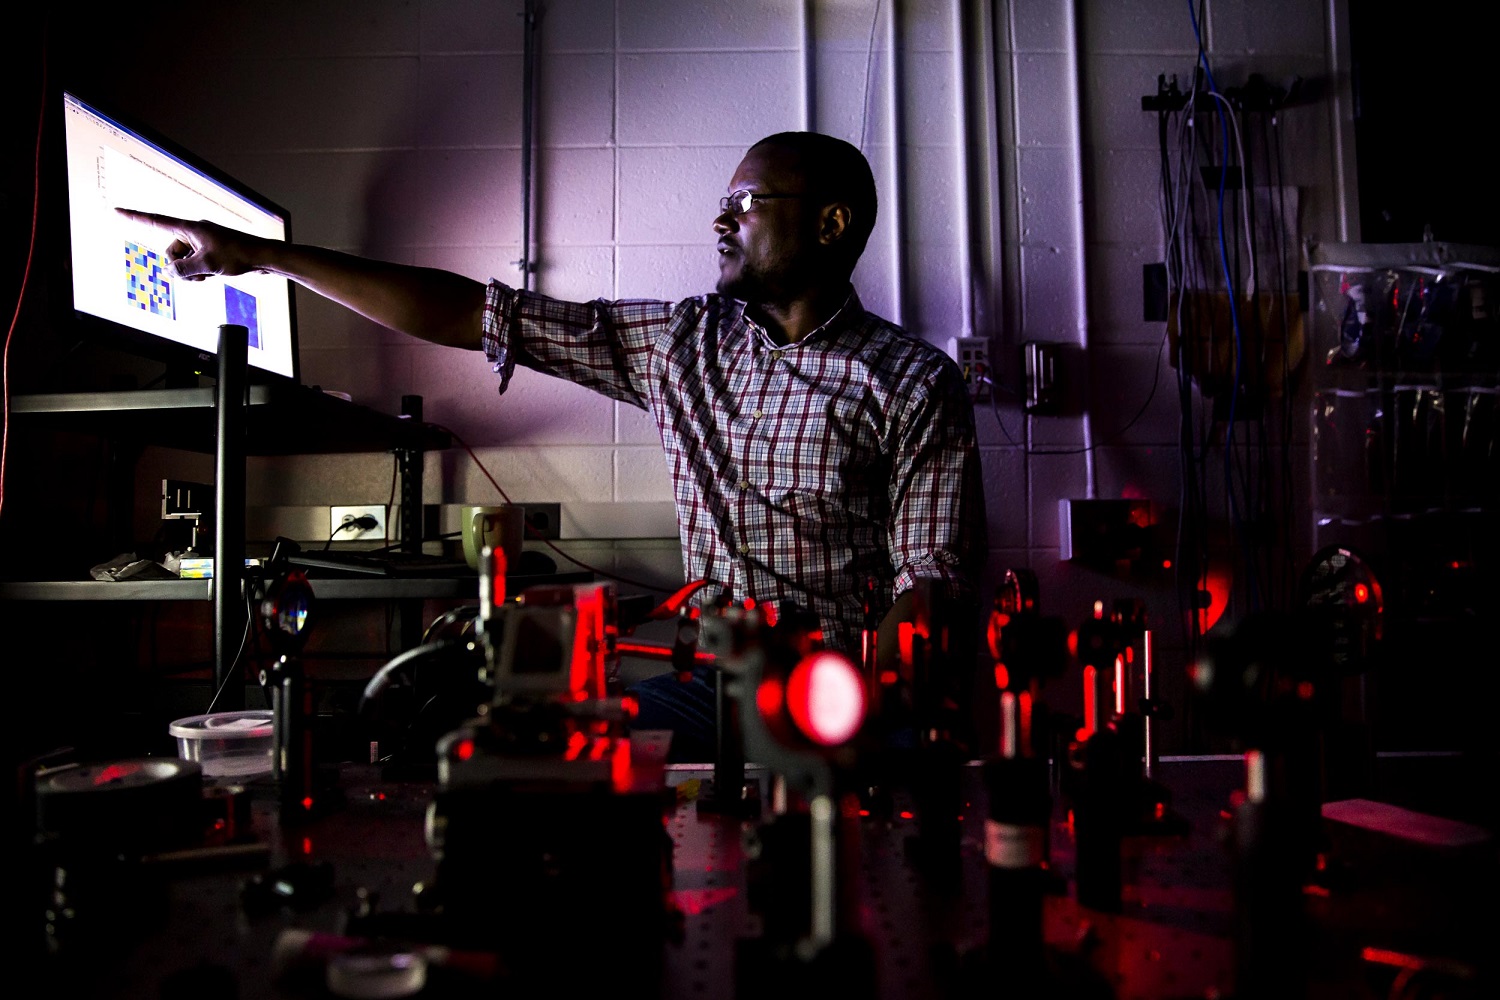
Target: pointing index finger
165 223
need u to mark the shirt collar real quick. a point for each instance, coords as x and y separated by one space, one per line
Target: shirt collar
852 299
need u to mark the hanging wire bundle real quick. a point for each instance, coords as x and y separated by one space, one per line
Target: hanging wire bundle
1235 331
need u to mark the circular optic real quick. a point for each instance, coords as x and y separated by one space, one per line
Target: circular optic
826 698
1344 595
1017 593
287 605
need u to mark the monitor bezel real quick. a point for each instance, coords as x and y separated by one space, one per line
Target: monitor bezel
180 360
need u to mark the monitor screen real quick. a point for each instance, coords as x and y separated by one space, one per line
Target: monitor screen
119 273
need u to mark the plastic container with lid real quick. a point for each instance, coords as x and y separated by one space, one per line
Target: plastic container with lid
227 744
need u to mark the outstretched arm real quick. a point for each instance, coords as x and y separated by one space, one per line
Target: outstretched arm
435 305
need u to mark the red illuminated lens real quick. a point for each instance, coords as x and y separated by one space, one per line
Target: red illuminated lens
826 698
498 568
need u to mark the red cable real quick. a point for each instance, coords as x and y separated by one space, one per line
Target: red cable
534 533
36 201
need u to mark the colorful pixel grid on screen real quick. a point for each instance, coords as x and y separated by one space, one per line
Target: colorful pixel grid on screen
240 308
146 282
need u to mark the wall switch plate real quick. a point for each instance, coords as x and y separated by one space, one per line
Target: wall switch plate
180 498
340 516
1040 361
973 357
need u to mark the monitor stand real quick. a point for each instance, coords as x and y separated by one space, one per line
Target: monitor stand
230 614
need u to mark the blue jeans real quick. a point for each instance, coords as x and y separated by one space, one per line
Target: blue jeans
686 707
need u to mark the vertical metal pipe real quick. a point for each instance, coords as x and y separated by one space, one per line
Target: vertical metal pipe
894 119
1080 233
1009 293
410 461
528 102
809 66
964 186
1011 202
729 749
985 176
230 616
1341 110
822 815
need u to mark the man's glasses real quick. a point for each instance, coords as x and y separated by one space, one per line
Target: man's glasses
739 202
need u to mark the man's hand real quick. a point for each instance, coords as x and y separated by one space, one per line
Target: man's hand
439 306
201 249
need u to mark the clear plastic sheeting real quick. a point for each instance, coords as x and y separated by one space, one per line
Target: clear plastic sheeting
1405 343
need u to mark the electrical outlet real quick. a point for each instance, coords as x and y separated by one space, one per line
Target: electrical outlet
340 516
973 357
543 520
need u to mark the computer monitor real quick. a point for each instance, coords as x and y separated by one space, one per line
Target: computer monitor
119 280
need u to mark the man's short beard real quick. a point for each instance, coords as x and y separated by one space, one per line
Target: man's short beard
747 286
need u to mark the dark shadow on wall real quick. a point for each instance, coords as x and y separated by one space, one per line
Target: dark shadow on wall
1424 117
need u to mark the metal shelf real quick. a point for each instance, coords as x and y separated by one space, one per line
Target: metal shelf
275 419
200 590
324 588
279 420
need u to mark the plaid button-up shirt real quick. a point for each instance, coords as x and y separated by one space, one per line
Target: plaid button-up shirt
800 471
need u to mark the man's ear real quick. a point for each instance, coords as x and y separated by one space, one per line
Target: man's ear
833 222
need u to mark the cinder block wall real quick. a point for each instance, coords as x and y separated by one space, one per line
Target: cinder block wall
392 128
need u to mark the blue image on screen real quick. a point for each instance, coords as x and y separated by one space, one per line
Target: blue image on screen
239 309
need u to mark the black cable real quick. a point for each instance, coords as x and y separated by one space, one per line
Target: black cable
1184 560
532 531
995 409
390 504
1259 465
230 673
1204 340
1193 552
1168 207
1199 355
1255 473
362 523
1115 439
426 538
1288 494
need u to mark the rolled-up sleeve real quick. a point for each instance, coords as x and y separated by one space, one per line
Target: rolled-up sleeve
600 344
495 331
938 519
